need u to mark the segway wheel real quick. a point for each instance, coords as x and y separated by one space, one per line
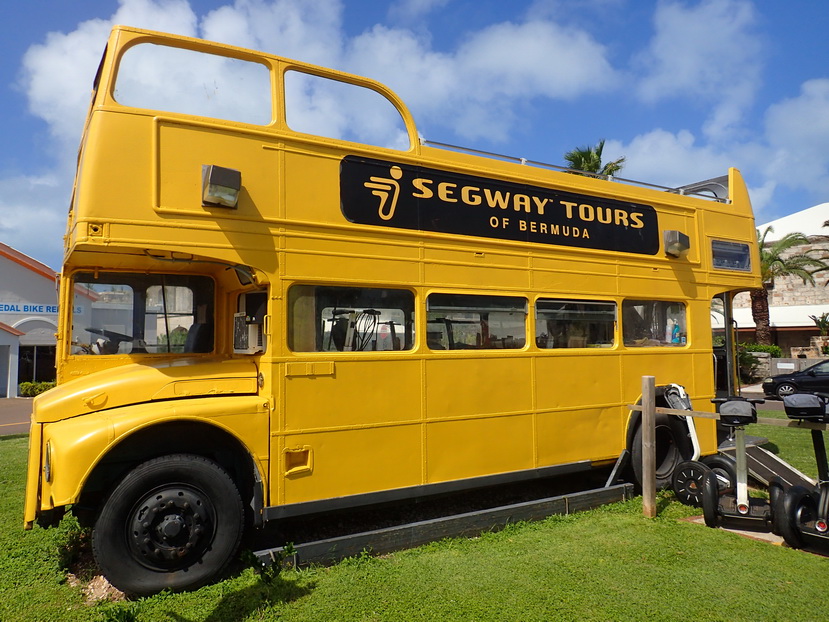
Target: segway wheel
711 500
687 482
777 494
798 508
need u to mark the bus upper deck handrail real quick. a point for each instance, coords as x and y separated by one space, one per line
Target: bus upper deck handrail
703 189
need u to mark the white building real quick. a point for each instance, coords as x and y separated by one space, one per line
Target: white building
28 320
791 302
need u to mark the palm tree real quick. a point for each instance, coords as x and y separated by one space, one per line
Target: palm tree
777 261
589 159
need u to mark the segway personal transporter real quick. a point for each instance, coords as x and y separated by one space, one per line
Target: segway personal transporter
734 506
802 516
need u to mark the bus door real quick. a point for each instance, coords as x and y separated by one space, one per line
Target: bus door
352 396
724 336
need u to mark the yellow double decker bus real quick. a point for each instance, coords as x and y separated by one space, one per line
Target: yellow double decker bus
276 300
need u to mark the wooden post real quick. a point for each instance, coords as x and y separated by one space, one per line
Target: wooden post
649 446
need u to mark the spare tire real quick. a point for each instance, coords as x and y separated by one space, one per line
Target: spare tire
672 448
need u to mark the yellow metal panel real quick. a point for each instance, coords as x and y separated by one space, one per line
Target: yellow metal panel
33 475
476 257
312 191
671 282
184 147
359 393
110 171
464 267
461 387
349 462
133 382
347 244
476 447
570 379
579 434
562 274
355 269
310 368
337 259
78 444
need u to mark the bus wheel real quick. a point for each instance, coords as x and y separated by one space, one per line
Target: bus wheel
173 522
687 482
668 452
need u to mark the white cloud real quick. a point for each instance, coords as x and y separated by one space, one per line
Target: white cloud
475 89
668 159
406 11
706 53
534 59
54 71
307 30
57 75
31 219
798 134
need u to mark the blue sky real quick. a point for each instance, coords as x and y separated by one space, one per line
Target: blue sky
683 89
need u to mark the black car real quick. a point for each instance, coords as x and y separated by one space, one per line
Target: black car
814 379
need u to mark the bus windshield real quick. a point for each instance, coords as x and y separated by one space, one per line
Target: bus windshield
142 314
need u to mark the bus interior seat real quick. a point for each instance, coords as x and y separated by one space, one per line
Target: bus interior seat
199 338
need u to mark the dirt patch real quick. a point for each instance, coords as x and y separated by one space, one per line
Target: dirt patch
96 589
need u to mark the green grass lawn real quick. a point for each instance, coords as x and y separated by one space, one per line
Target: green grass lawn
791 444
606 564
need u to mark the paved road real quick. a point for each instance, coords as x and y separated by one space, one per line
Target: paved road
14 415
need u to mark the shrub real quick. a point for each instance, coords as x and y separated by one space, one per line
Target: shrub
775 351
31 389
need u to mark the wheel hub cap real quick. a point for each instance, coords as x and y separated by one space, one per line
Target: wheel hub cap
171 527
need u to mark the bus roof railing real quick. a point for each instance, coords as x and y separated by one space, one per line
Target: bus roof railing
714 189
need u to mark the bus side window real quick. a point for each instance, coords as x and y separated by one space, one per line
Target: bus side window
349 319
574 324
469 322
648 323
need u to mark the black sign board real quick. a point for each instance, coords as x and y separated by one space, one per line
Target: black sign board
375 192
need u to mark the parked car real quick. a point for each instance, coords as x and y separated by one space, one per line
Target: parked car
814 379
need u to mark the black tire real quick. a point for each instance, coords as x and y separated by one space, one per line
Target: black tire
671 450
173 522
799 507
777 494
687 482
725 469
711 500
786 388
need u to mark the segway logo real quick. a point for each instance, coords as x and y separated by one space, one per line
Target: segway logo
375 192
387 189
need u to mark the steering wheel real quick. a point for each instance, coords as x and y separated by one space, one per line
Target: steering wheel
109 335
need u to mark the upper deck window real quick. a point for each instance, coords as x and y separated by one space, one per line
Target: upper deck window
731 255
171 79
334 109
